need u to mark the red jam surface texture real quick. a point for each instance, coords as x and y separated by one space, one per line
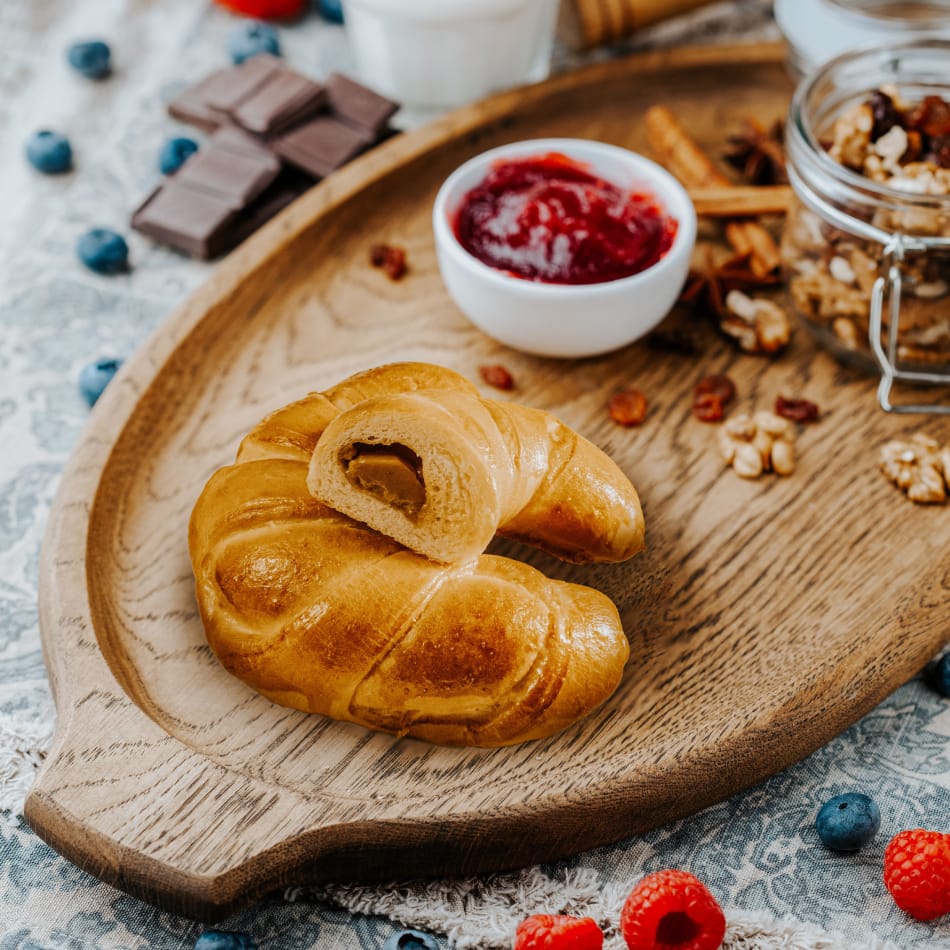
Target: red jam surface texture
547 218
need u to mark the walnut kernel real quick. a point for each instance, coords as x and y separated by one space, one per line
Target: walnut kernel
756 444
918 467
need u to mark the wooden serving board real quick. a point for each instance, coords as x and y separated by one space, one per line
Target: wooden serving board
765 616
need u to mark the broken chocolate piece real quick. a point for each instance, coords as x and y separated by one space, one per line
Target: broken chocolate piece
321 145
281 101
188 220
235 177
191 104
237 84
359 106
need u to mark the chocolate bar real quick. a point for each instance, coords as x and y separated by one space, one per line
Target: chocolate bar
321 145
191 104
275 133
233 86
281 101
359 106
235 177
188 220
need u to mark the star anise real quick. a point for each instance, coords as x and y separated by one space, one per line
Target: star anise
758 153
705 289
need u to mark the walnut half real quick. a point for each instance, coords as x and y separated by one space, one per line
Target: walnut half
756 324
756 444
919 467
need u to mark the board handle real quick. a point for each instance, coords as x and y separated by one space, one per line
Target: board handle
586 23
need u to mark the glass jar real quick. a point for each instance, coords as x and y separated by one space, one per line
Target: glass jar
815 31
867 262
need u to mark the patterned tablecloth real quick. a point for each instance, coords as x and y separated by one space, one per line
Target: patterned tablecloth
758 851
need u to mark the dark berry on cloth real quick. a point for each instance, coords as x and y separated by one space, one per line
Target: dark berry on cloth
175 152
224 940
93 59
103 251
937 675
848 822
331 10
95 376
410 940
250 39
49 152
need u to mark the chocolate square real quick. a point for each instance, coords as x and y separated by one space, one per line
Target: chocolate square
191 221
191 106
321 145
358 105
236 177
282 100
233 86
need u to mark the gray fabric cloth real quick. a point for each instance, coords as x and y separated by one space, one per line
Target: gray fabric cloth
758 851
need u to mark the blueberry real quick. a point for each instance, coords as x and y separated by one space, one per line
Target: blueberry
249 39
92 59
847 822
331 10
937 675
175 152
410 940
95 376
224 940
103 251
49 152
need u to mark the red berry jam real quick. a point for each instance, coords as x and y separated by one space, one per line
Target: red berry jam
547 218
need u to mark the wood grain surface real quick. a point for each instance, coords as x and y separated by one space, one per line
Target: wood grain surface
765 616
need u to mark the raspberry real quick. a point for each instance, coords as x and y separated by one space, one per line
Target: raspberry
672 910
266 9
917 872
558 932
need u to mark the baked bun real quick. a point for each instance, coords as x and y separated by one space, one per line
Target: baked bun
443 470
293 431
323 614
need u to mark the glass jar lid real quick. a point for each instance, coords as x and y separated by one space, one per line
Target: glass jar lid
819 30
907 15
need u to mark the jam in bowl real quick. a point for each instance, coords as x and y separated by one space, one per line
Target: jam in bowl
563 247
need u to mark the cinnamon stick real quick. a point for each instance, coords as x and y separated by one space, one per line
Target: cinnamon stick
739 201
679 152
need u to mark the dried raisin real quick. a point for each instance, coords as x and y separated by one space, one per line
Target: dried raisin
798 410
497 376
628 408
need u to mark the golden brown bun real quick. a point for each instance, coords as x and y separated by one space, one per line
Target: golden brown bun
482 467
293 431
323 614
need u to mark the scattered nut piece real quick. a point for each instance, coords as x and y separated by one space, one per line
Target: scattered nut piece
917 466
798 410
628 407
497 376
758 325
756 444
390 258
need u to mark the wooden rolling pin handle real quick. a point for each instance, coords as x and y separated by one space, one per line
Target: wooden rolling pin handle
586 23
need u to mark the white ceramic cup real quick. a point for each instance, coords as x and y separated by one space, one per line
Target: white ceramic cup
566 320
433 55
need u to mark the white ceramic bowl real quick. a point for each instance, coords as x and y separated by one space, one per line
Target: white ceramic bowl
567 320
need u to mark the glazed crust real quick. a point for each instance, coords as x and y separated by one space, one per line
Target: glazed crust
321 613
488 467
324 614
